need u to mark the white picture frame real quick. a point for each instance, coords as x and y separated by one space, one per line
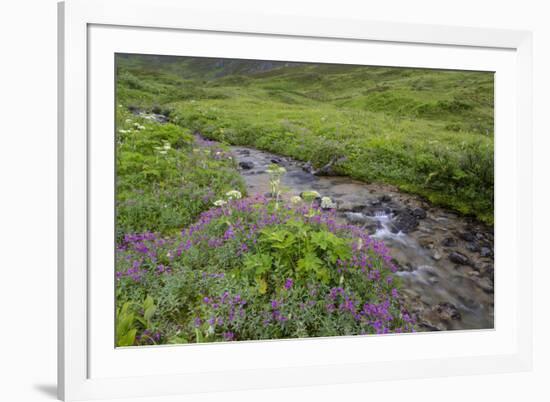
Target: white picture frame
92 31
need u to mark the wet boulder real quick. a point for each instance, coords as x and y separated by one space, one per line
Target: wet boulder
419 213
406 267
356 218
351 206
308 167
246 165
448 242
426 242
436 255
486 285
467 236
447 311
459 258
375 203
405 222
384 198
480 236
486 252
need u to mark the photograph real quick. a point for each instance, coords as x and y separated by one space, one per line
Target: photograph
264 200
296 200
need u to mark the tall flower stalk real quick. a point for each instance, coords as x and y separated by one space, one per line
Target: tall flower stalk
275 174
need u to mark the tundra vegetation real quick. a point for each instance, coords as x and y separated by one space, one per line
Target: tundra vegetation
200 260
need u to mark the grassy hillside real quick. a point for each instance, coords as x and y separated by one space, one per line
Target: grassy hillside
165 178
428 132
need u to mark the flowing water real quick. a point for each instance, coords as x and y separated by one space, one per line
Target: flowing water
445 260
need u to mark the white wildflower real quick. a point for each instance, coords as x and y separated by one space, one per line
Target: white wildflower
326 203
220 203
233 195
164 149
296 199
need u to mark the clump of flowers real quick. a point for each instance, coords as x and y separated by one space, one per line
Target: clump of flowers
234 195
164 149
248 269
327 203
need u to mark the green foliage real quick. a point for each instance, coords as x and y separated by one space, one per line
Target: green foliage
250 270
427 131
125 326
295 250
134 318
164 178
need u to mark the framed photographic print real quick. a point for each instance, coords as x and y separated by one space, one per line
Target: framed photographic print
260 201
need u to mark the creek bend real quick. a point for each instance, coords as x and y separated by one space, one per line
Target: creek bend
445 261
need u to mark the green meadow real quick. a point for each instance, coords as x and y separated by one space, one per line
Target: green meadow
428 132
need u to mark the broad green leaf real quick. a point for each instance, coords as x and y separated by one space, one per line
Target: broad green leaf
128 338
262 286
149 302
198 335
149 312
310 262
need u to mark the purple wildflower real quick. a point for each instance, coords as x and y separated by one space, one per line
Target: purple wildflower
288 283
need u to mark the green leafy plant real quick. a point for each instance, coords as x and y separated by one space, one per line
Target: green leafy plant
134 323
125 325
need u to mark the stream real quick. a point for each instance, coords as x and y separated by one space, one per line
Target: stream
445 260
